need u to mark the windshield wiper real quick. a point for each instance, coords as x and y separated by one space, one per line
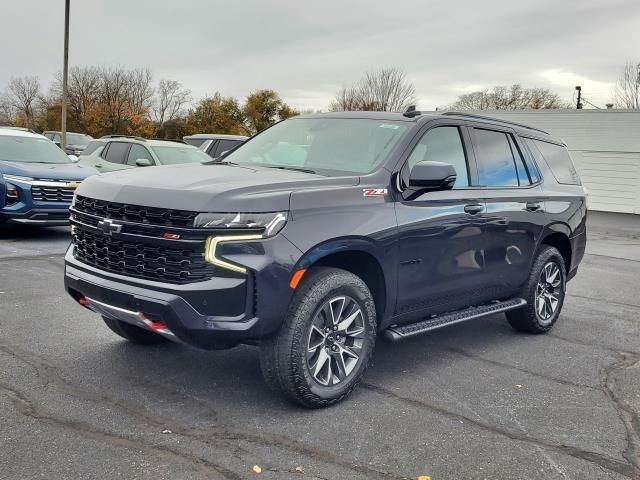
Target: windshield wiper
295 169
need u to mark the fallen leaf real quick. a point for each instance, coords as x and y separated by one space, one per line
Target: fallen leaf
518 386
257 469
424 477
166 430
299 469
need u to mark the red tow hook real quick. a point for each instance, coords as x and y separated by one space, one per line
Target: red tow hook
83 301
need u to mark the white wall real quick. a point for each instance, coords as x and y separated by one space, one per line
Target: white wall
604 145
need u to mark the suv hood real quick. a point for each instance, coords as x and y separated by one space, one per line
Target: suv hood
207 188
46 171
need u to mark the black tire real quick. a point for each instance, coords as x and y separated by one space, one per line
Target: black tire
529 318
284 356
132 333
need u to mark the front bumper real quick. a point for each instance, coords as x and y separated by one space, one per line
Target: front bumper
37 216
216 313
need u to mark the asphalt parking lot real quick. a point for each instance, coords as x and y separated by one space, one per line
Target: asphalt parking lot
472 401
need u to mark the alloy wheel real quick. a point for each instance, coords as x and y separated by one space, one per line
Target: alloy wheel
335 341
548 292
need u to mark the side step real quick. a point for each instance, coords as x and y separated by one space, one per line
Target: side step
395 333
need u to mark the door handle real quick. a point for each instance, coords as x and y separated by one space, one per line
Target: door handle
533 206
473 208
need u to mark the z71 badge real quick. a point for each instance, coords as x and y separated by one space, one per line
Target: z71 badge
374 192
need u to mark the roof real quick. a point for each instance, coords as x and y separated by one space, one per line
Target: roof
8 131
216 136
58 131
423 117
143 141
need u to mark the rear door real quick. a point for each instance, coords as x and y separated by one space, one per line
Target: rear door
113 157
440 234
514 204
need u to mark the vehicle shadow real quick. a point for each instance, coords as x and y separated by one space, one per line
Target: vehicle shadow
232 378
29 232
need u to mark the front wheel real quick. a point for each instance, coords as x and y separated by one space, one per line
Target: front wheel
544 293
326 341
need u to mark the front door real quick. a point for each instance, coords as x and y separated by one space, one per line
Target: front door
440 234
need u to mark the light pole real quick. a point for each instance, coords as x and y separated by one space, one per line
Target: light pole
65 72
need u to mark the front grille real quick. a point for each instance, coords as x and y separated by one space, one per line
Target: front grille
135 213
153 262
52 194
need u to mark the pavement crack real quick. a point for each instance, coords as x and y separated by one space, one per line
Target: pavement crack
219 436
520 369
627 415
612 464
28 408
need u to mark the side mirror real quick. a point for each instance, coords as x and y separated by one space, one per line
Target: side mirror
73 158
432 176
143 162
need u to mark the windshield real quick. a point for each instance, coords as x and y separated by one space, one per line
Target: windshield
176 155
30 150
78 139
328 146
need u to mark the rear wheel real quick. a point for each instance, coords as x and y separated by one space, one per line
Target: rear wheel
132 333
326 342
544 293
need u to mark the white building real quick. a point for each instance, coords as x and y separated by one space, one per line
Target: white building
605 146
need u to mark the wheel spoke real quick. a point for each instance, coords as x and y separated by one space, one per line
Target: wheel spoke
323 359
336 306
540 305
318 341
344 325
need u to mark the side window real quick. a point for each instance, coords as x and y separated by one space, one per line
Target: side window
496 166
117 151
523 176
442 144
559 161
56 137
531 166
211 149
92 147
225 146
138 152
49 136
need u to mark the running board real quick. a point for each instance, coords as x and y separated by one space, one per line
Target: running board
395 332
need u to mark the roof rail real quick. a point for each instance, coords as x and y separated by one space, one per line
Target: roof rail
177 140
482 117
22 129
124 136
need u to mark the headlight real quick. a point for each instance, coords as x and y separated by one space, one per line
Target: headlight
12 194
18 178
266 224
258 226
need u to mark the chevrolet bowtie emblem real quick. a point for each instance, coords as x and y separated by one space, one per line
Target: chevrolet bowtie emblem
108 227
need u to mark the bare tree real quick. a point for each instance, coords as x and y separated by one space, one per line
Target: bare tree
385 89
140 90
513 97
171 99
84 89
22 96
627 89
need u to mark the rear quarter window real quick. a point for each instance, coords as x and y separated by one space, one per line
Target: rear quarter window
559 161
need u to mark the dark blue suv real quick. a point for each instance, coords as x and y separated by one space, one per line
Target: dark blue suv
37 179
326 231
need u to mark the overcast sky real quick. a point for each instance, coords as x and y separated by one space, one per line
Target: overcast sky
306 50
